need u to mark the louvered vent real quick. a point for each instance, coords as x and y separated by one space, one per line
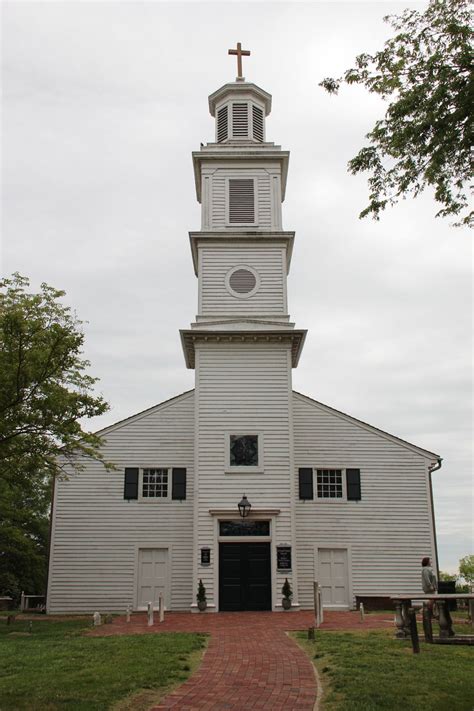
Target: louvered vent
257 116
240 120
242 281
241 201
222 124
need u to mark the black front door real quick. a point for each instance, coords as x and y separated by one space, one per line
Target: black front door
244 576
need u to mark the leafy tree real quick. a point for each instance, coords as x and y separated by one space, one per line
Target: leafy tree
44 387
24 531
466 569
425 138
44 392
447 577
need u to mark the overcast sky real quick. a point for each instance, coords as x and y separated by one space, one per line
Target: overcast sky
103 103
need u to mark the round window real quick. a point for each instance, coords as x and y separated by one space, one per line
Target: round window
242 281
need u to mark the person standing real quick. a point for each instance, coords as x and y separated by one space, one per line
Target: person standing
428 581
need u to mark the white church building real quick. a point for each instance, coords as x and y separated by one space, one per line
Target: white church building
332 499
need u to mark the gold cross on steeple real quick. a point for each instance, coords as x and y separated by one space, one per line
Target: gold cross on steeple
240 53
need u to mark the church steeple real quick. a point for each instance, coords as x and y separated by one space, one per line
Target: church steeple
240 109
242 254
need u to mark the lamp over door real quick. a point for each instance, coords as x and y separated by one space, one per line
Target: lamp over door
244 506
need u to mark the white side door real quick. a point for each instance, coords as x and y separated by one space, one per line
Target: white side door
153 575
333 577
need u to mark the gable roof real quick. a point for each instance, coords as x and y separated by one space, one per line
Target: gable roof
144 413
364 425
311 401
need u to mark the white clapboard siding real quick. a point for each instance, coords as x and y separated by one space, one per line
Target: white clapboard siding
388 531
96 532
268 261
219 198
242 388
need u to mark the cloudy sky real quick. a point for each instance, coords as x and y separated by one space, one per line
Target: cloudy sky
103 103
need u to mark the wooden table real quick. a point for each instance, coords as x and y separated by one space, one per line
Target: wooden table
404 606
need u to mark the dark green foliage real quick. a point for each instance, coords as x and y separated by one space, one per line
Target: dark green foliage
201 593
44 387
56 667
425 138
44 392
286 590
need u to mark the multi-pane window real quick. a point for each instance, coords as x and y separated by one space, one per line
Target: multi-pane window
243 450
155 483
329 483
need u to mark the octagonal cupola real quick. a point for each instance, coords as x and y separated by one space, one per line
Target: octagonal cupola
240 109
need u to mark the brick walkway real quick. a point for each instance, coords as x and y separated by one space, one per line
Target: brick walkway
250 662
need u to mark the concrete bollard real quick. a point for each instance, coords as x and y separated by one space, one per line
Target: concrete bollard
128 613
161 607
150 614
96 619
30 627
361 610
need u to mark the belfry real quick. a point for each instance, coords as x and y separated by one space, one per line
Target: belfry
243 348
241 486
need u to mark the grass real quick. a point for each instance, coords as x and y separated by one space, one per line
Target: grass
56 667
372 671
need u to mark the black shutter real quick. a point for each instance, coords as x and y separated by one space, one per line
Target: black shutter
130 489
353 484
178 490
306 483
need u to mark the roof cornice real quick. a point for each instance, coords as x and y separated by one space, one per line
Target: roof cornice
275 335
239 154
227 236
238 88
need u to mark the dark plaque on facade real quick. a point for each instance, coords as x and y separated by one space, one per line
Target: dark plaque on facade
283 558
205 556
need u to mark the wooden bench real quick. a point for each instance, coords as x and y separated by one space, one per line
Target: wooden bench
405 611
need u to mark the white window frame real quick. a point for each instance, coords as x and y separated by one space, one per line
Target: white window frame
229 121
335 500
230 469
249 294
262 108
244 176
153 499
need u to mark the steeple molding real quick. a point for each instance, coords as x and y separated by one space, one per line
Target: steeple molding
251 236
239 91
224 155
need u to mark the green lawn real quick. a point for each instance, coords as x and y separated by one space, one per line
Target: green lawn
57 667
372 671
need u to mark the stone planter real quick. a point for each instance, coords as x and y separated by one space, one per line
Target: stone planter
286 603
202 605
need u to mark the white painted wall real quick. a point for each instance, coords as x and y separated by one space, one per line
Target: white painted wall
388 531
214 193
269 261
242 388
97 533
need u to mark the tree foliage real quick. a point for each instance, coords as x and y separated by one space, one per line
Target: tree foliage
425 137
44 392
466 569
44 387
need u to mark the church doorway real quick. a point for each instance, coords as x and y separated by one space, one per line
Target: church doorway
244 576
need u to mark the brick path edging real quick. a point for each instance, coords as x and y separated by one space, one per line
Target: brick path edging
250 662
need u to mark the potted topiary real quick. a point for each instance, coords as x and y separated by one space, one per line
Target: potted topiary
201 596
287 593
